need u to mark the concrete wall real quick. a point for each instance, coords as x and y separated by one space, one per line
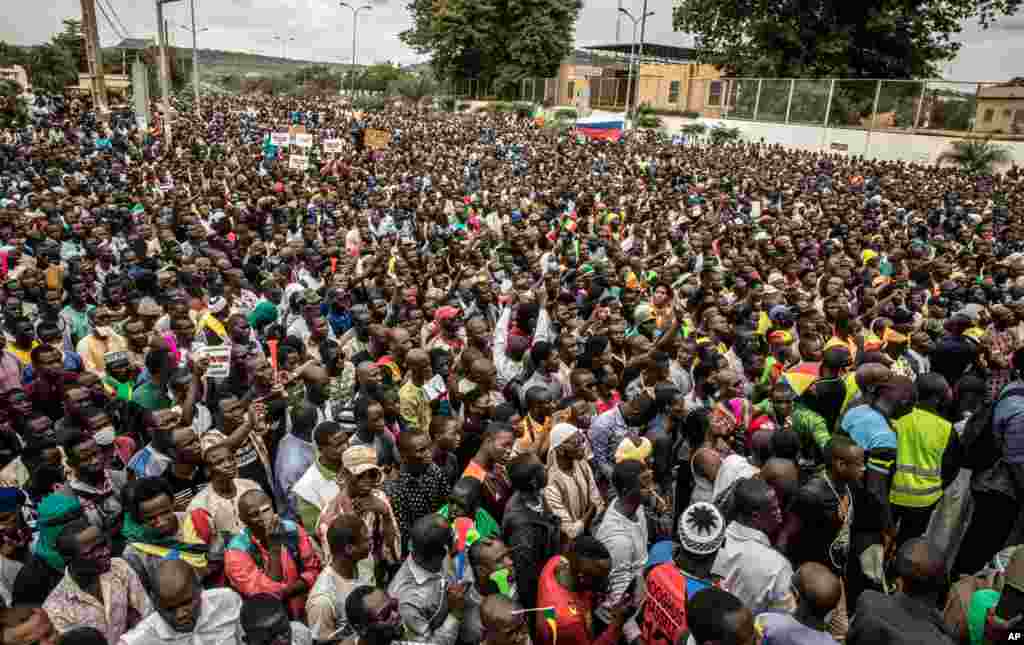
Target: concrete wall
883 145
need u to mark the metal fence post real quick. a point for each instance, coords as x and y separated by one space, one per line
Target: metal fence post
920 105
828 104
874 115
789 101
977 92
757 99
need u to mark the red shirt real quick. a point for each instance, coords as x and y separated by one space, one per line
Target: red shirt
573 612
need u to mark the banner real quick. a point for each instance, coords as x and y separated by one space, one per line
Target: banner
279 138
302 140
220 361
297 162
377 139
332 145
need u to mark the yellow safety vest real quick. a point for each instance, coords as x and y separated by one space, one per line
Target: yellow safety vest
921 438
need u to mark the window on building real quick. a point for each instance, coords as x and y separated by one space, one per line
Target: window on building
673 92
714 94
987 118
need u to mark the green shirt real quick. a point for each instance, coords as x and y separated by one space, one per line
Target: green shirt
151 397
810 425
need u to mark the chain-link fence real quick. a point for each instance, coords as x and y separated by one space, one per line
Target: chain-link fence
869 104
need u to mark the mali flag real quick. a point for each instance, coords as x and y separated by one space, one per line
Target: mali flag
552 620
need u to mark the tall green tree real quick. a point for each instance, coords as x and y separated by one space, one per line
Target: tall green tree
816 38
72 41
498 42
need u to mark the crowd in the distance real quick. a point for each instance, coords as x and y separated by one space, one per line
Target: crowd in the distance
495 384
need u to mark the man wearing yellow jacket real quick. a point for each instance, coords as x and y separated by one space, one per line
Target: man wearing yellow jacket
926 463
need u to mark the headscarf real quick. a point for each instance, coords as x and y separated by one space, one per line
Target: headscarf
560 433
55 511
152 542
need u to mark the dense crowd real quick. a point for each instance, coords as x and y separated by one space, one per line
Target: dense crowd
490 382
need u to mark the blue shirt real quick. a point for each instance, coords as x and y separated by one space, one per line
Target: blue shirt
868 428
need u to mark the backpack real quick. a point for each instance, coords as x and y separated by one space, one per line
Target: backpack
980 449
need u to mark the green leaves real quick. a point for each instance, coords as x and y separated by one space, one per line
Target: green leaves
498 42
975 156
821 38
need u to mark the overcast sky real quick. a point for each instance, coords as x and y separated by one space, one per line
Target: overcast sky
323 30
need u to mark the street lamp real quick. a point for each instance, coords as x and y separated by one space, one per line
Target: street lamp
632 53
284 44
355 29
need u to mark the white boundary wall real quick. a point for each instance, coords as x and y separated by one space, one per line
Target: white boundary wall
885 145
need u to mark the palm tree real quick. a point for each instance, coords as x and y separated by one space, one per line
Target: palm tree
975 156
693 130
722 135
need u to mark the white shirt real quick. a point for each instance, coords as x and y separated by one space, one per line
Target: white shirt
217 624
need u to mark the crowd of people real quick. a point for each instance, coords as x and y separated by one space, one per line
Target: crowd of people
493 383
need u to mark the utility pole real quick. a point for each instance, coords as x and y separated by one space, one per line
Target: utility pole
94 56
165 94
195 52
355 30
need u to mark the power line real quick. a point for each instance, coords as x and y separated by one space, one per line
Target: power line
110 5
110 22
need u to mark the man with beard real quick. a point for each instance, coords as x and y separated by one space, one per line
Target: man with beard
493 574
374 616
623 531
94 585
97 489
154 532
271 555
430 606
183 608
420 488
571 492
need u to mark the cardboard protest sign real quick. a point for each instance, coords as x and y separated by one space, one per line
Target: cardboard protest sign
332 145
377 139
297 162
280 138
220 361
302 140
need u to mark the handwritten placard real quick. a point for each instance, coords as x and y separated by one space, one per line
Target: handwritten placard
279 138
301 140
332 145
297 162
377 139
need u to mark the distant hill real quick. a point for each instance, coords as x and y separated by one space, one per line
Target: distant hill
229 59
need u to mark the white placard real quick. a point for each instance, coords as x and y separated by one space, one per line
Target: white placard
220 361
280 138
755 210
297 162
333 145
302 140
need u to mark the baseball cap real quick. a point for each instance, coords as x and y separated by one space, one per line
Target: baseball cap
359 459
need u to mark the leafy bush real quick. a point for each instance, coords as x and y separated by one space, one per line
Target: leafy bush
523 110
463 107
447 103
369 103
693 129
975 156
504 107
723 135
691 114
566 114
